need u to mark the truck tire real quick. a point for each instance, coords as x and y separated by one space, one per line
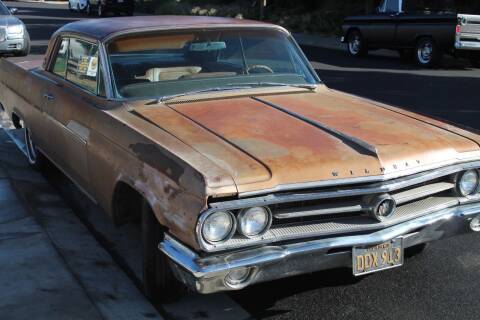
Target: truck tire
159 283
356 45
35 158
427 54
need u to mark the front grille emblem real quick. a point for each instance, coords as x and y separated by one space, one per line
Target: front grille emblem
382 207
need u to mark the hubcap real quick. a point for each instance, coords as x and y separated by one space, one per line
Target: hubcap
425 52
354 45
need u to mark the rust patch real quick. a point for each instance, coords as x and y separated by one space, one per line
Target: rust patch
154 157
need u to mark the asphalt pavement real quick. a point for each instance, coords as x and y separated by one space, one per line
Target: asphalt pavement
441 283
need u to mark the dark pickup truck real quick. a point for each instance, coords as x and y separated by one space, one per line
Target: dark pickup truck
417 30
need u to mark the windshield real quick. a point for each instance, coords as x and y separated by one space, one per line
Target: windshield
4 10
159 65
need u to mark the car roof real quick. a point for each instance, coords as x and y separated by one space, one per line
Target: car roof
101 29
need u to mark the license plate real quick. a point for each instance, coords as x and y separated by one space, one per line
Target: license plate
378 257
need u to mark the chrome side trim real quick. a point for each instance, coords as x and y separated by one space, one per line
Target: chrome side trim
347 139
442 169
206 274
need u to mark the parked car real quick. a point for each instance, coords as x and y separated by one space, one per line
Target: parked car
14 37
424 30
77 5
239 164
104 7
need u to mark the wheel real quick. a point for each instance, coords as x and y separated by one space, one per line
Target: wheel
415 250
356 45
35 158
405 54
88 9
159 283
101 11
427 53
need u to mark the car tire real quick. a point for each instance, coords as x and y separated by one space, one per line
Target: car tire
35 158
427 54
159 282
356 45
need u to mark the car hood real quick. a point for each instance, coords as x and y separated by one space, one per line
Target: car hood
6 21
303 139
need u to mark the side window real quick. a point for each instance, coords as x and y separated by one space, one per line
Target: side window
389 6
392 6
60 64
82 65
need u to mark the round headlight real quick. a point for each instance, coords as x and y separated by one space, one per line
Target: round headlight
254 221
218 226
467 182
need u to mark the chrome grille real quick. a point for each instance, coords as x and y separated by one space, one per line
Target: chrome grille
353 224
346 210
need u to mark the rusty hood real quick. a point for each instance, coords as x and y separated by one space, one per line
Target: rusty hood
301 139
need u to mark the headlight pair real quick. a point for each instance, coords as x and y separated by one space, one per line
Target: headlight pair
221 225
467 183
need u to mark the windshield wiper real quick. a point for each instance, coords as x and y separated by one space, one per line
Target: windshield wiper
193 92
275 84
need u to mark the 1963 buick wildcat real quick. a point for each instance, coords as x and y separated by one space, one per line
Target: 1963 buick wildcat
240 164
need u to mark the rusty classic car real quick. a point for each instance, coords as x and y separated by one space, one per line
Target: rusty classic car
238 163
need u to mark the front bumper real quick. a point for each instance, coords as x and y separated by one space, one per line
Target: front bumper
12 45
208 274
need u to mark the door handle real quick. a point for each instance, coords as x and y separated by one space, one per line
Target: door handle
49 97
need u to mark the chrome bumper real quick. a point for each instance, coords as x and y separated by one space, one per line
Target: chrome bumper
207 274
467 45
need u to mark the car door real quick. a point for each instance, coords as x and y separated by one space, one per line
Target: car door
382 29
69 105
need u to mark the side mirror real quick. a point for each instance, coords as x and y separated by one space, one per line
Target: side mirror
13 10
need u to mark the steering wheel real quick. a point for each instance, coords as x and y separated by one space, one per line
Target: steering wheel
260 67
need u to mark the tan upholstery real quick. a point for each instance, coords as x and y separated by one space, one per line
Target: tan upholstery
165 74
